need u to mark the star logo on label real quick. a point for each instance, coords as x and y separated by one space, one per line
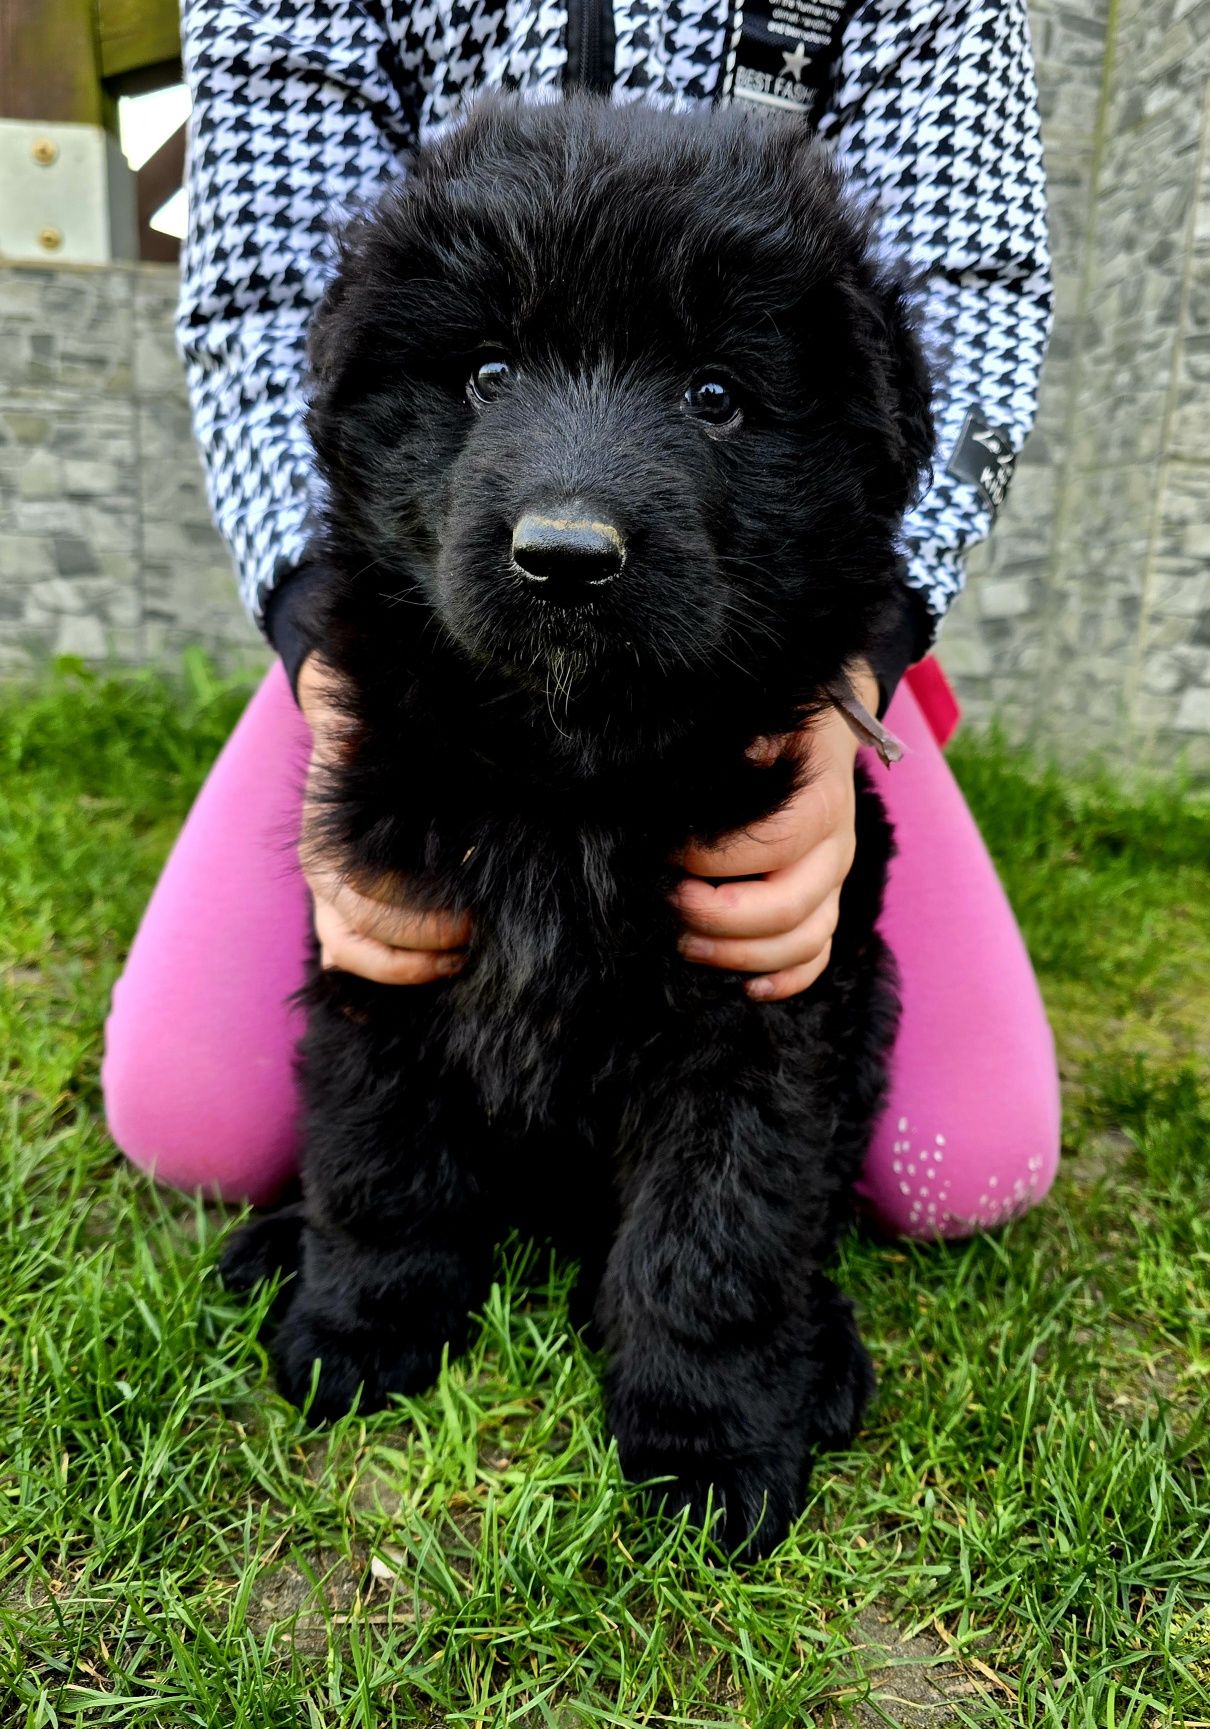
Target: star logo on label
797 61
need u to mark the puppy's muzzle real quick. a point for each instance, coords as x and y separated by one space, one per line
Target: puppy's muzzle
569 556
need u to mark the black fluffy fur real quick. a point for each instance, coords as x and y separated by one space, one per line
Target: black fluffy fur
541 763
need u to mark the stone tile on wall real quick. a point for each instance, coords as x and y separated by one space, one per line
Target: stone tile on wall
69 570
157 365
65 330
1070 36
1174 650
1120 612
1174 48
106 545
1190 435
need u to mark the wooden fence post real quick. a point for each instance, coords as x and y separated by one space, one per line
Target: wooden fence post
64 63
50 63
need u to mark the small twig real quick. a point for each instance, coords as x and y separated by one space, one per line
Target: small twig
869 730
975 1662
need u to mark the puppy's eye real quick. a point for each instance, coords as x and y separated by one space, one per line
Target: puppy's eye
489 378
712 399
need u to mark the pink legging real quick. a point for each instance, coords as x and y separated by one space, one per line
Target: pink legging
198 1075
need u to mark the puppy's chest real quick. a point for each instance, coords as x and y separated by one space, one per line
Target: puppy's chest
555 907
579 874
573 965
568 933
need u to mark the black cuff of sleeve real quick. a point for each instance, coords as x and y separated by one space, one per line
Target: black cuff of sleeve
292 617
905 638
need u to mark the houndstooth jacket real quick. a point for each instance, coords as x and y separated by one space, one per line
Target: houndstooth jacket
303 108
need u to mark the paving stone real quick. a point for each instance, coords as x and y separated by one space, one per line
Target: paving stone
74 556
89 477
82 636
25 558
40 476
1193 711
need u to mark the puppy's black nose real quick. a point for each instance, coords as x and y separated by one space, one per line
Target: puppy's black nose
571 554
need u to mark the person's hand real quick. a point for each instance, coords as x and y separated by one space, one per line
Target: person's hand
365 927
779 927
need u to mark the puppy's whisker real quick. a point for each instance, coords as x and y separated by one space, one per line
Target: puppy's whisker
402 599
550 709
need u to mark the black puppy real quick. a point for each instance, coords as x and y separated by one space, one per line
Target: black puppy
618 418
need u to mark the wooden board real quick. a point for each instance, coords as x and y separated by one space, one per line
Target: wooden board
49 67
58 56
155 183
136 34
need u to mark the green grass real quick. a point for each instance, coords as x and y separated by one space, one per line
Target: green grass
1021 1536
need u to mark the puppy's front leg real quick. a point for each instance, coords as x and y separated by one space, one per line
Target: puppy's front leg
732 1359
397 1244
375 1315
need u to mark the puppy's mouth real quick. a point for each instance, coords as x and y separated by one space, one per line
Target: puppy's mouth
572 644
547 604
564 603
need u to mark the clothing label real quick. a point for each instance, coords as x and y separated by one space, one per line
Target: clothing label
984 457
780 51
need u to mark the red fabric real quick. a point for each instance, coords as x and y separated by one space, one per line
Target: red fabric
935 697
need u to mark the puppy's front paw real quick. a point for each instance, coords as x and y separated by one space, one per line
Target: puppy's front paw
752 1502
269 1243
749 1503
349 1362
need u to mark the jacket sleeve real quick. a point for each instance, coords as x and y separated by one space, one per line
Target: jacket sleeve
297 119
934 114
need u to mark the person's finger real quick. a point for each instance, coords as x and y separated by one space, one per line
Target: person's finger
824 808
399 927
768 846
775 987
342 948
765 906
797 947
384 966
825 805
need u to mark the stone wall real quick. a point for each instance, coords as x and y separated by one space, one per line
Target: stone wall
1087 621
106 545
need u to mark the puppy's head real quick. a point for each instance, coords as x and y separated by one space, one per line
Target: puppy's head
621 396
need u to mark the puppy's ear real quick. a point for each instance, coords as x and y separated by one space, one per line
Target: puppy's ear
909 379
326 351
324 337
879 301
902 387
330 349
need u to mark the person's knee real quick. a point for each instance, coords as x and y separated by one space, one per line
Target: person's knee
185 1134
939 1172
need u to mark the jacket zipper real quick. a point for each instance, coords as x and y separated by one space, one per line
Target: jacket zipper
590 46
